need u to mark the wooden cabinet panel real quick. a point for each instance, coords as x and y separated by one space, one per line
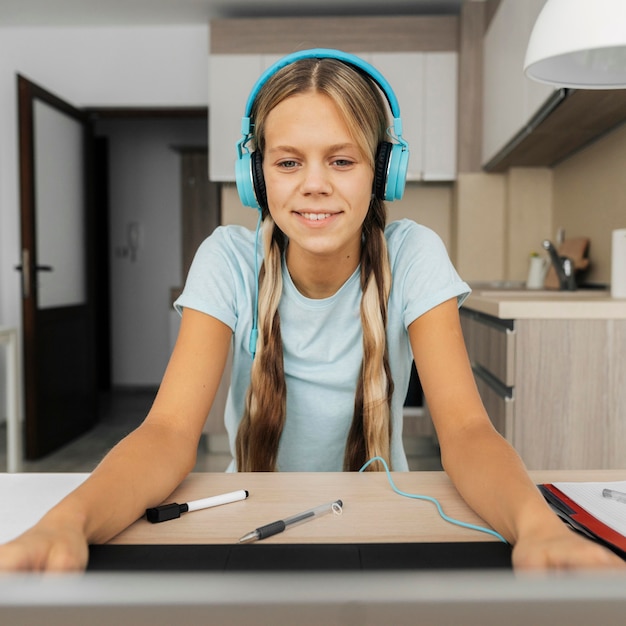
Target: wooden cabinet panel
499 407
570 393
491 345
563 403
491 348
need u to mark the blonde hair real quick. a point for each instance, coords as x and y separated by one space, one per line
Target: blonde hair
363 108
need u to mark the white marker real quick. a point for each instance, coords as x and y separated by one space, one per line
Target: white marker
167 512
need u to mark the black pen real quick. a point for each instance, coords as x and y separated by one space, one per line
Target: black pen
277 527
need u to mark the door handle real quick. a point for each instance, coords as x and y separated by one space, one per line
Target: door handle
24 267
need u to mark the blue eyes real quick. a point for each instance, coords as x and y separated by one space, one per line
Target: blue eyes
340 163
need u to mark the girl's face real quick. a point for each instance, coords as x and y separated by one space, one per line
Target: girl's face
318 182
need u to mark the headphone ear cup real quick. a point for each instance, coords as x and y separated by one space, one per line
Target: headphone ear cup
258 180
397 172
245 184
380 169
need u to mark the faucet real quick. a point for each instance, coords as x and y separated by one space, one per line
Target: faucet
563 266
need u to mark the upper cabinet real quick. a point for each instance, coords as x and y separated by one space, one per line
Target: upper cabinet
423 80
231 77
510 100
526 123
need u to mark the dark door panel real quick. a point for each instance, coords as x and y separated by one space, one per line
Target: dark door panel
57 236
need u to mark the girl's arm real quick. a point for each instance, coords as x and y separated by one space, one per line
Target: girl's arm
141 470
485 469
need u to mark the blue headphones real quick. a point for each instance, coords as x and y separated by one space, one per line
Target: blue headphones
392 159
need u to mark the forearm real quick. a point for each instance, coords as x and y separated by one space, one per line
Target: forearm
142 470
492 479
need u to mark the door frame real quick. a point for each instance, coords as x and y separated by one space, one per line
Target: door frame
37 444
97 185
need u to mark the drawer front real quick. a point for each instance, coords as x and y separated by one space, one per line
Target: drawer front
490 344
499 407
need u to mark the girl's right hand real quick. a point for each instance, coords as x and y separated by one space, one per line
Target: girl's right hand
45 548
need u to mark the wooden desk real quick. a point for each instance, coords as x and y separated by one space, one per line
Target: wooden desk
372 511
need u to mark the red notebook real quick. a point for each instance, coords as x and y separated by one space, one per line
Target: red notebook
582 520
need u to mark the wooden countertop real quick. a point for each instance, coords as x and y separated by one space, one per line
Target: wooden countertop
544 304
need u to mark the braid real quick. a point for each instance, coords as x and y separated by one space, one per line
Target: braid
371 425
264 417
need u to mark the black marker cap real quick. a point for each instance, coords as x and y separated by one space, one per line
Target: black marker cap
165 512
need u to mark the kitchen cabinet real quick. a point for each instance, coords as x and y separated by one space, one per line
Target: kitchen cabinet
553 387
231 77
510 99
425 84
491 346
530 124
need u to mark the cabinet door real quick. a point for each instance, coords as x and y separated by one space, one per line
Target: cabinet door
440 116
425 84
491 349
231 77
509 98
405 73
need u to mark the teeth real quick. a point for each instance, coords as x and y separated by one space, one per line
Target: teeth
316 216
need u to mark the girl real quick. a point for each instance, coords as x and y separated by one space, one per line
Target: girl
322 345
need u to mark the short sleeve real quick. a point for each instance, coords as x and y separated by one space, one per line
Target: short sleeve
423 275
221 275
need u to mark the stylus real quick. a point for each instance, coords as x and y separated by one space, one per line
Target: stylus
277 527
614 495
167 512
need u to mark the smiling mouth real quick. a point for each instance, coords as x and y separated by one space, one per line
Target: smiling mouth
315 217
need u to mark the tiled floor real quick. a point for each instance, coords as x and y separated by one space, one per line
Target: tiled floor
122 411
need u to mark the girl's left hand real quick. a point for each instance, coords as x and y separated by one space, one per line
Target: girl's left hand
563 549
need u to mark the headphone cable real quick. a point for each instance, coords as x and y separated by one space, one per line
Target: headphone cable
447 518
254 333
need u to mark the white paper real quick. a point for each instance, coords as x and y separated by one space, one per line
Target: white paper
589 497
27 497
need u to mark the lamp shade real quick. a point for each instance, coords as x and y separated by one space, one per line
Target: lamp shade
579 44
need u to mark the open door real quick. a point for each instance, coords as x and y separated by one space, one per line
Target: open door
57 242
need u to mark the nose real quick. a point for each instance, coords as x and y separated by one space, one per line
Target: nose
315 180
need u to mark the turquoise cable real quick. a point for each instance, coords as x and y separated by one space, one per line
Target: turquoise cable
447 518
254 333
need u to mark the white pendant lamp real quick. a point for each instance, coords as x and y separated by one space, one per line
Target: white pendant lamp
579 44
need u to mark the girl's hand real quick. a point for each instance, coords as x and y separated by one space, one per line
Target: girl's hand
45 548
563 549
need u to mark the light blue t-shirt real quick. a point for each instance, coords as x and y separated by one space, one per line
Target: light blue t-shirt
322 339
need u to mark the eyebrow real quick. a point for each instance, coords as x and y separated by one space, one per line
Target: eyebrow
334 148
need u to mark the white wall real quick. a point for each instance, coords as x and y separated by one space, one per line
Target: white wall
145 189
121 66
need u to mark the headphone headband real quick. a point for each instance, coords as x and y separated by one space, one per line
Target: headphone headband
326 53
